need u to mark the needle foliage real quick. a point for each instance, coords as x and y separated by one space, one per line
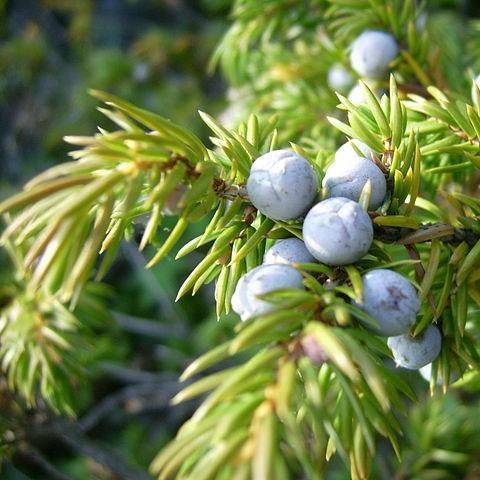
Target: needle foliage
270 412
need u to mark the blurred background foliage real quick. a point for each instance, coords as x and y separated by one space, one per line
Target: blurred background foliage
155 54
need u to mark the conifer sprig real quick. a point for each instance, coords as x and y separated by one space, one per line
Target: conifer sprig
309 379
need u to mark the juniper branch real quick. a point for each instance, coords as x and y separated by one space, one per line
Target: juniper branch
69 435
34 457
441 231
444 232
120 398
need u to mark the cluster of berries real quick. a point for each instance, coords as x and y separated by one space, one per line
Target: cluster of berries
336 231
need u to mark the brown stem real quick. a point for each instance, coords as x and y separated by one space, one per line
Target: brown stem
426 233
405 236
68 434
414 88
31 456
230 192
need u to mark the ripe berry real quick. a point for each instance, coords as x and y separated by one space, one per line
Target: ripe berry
339 78
357 96
372 53
290 250
337 231
313 350
236 109
346 152
390 299
347 179
426 373
415 353
282 185
421 22
259 281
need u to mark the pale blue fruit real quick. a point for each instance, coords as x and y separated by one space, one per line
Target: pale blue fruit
414 353
337 231
391 300
346 151
282 185
372 52
426 373
347 179
356 95
259 281
339 78
288 251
